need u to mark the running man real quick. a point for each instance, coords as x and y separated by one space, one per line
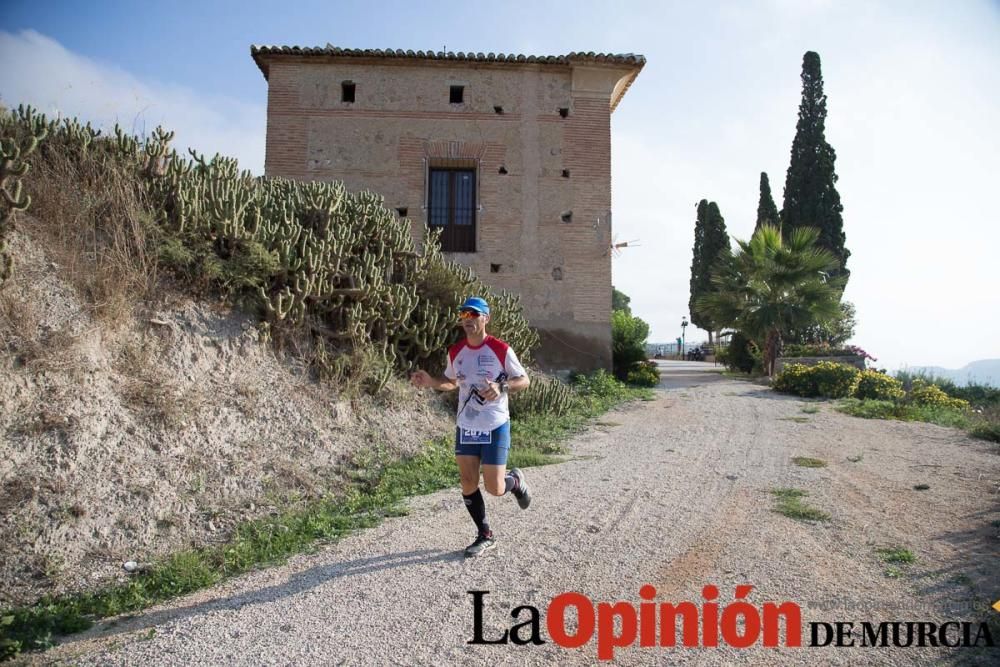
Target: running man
485 370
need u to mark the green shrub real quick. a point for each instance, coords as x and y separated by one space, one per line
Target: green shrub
978 395
175 254
827 379
871 409
739 355
878 386
987 431
934 414
933 396
600 383
645 374
628 342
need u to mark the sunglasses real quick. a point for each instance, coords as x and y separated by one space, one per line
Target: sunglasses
468 315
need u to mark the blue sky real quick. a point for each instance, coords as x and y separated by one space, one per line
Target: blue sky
914 98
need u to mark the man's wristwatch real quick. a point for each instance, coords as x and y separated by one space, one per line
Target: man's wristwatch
503 386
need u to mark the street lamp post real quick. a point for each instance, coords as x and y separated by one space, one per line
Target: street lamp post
684 323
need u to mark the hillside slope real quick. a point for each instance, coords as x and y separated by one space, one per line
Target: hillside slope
128 442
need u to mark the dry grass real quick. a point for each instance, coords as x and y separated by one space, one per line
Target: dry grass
32 345
149 390
96 227
49 418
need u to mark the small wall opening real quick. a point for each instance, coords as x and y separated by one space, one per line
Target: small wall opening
564 111
456 94
347 91
498 110
402 211
494 268
566 216
565 173
557 273
502 170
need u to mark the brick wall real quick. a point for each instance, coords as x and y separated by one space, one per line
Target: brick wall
402 121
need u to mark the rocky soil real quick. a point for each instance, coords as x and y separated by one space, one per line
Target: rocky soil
131 441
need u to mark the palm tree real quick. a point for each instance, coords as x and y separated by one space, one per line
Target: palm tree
771 285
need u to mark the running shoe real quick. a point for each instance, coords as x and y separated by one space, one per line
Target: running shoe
522 492
482 543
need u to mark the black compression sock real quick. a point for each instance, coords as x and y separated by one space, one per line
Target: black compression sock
477 509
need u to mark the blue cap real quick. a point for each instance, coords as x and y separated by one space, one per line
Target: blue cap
477 304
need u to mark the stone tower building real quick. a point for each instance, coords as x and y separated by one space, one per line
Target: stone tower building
509 155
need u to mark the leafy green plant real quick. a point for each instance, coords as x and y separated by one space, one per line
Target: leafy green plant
790 504
878 386
827 379
644 374
628 342
977 394
899 555
737 356
930 395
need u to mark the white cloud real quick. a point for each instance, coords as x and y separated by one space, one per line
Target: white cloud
39 71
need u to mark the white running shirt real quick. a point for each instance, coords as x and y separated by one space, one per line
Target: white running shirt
471 367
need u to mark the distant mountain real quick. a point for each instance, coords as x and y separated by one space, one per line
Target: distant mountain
984 371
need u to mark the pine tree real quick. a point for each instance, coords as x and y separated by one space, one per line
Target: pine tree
710 240
767 212
811 197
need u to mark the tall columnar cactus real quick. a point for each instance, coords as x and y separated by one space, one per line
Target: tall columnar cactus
343 265
547 396
15 147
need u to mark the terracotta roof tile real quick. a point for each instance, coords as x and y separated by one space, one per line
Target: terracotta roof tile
329 50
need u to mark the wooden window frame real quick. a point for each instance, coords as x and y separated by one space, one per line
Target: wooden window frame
454 237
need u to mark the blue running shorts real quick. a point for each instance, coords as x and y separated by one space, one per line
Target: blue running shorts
490 446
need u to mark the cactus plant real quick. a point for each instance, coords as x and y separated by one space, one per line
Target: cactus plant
337 263
15 147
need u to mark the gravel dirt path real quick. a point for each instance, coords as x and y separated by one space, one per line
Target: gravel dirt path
672 493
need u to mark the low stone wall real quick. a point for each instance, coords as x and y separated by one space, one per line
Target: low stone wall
852 360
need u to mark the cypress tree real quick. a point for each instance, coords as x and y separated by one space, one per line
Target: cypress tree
767 212
710 239
811 197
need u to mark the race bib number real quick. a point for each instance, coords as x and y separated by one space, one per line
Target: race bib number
468 437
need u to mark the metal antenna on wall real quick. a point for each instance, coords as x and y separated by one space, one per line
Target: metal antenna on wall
615 247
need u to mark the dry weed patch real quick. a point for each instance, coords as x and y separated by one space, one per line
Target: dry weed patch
93 221
149 389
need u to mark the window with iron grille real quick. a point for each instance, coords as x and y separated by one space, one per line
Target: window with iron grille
452 208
